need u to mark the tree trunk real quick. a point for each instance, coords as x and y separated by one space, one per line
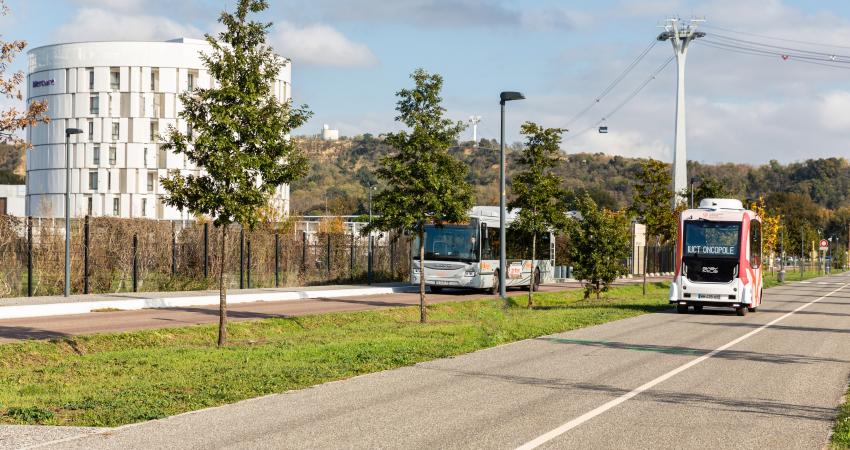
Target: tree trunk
533 267
598 290
222 291
423 313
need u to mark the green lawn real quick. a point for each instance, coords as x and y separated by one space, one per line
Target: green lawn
841 433
114 379
772 279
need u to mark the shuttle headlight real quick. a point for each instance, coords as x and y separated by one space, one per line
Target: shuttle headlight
416 270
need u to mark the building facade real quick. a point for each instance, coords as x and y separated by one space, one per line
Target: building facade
124 96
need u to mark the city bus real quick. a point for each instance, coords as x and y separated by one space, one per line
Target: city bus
719 258
466 256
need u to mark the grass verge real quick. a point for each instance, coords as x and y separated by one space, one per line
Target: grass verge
115 379
841 432
771 279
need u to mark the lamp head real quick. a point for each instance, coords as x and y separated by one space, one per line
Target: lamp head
70 131
509 96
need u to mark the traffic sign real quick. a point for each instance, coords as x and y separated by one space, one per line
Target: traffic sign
824 244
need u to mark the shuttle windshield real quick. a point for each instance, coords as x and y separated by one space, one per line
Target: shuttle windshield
708 239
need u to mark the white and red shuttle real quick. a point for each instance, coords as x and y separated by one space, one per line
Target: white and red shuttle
718 258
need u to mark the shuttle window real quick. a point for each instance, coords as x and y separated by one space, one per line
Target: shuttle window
755 244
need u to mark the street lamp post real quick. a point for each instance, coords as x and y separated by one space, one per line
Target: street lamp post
68 133
504 97
693 180
372 187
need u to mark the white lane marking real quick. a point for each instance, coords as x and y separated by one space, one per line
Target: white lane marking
544 438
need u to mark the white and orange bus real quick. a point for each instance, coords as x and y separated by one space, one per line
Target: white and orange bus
718 256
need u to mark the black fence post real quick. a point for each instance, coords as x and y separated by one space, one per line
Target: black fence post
173 251
303 251
135 263
276 260
241 258
29 256
86 242
249 264
351 256
206 250
392 254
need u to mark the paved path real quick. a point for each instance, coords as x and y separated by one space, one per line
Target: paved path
114 321
770 380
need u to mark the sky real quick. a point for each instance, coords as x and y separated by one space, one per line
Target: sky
350 57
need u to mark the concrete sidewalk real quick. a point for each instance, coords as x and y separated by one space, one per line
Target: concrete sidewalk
21 307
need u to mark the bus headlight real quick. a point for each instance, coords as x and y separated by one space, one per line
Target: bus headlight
469 273
415 270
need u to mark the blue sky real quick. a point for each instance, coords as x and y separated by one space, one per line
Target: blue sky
349 57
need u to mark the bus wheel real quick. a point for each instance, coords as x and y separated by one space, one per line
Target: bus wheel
682 309
494 290
436 289
698 308
753 309
741 310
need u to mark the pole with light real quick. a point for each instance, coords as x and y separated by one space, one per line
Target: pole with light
504 97
68 133
693 180
372 187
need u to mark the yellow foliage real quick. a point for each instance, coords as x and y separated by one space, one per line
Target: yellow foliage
770 224
332 225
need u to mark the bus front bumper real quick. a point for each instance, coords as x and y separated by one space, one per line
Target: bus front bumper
735 293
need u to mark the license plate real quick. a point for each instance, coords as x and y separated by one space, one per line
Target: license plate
442 282
709 296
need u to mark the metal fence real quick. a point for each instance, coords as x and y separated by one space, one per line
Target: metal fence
130 255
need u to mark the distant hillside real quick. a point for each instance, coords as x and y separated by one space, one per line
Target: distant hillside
341 170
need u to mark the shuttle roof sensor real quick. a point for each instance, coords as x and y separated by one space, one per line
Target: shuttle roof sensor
720 203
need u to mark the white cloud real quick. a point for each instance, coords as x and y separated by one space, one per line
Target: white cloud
100 24
835 111
319 45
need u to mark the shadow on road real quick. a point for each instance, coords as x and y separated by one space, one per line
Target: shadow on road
25 333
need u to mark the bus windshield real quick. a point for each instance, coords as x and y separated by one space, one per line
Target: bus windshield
712 239
449 243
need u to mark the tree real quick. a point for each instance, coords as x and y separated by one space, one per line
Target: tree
11 119
424 183
651 204
600 243
708 187
241 134
537 191
770 224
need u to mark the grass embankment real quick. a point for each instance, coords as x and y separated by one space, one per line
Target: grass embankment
841 432
771 279
114 379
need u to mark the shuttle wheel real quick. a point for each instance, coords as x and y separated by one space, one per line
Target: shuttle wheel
753 309
682 309
698 308
741 310
494 290
436 289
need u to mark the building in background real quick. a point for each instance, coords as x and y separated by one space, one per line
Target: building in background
328 134
124 96
13 198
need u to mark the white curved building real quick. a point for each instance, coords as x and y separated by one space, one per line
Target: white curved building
122 95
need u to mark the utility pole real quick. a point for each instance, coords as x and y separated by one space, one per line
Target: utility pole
680 34
474 120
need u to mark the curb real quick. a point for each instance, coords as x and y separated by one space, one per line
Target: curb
63 309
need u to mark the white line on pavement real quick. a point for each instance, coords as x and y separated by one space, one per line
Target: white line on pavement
544 438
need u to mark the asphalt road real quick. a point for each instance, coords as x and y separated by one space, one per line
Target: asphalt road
770 380
116 321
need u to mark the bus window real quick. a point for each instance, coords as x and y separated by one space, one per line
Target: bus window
755 244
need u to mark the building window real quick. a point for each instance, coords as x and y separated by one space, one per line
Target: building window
113 154
154 79
190 81
89 208
154 130
189 132
108 180
145 160
144 207
151 179
116 206
93 180
95 155
91 130
91 78
114 78
94 105
3 210
116 128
